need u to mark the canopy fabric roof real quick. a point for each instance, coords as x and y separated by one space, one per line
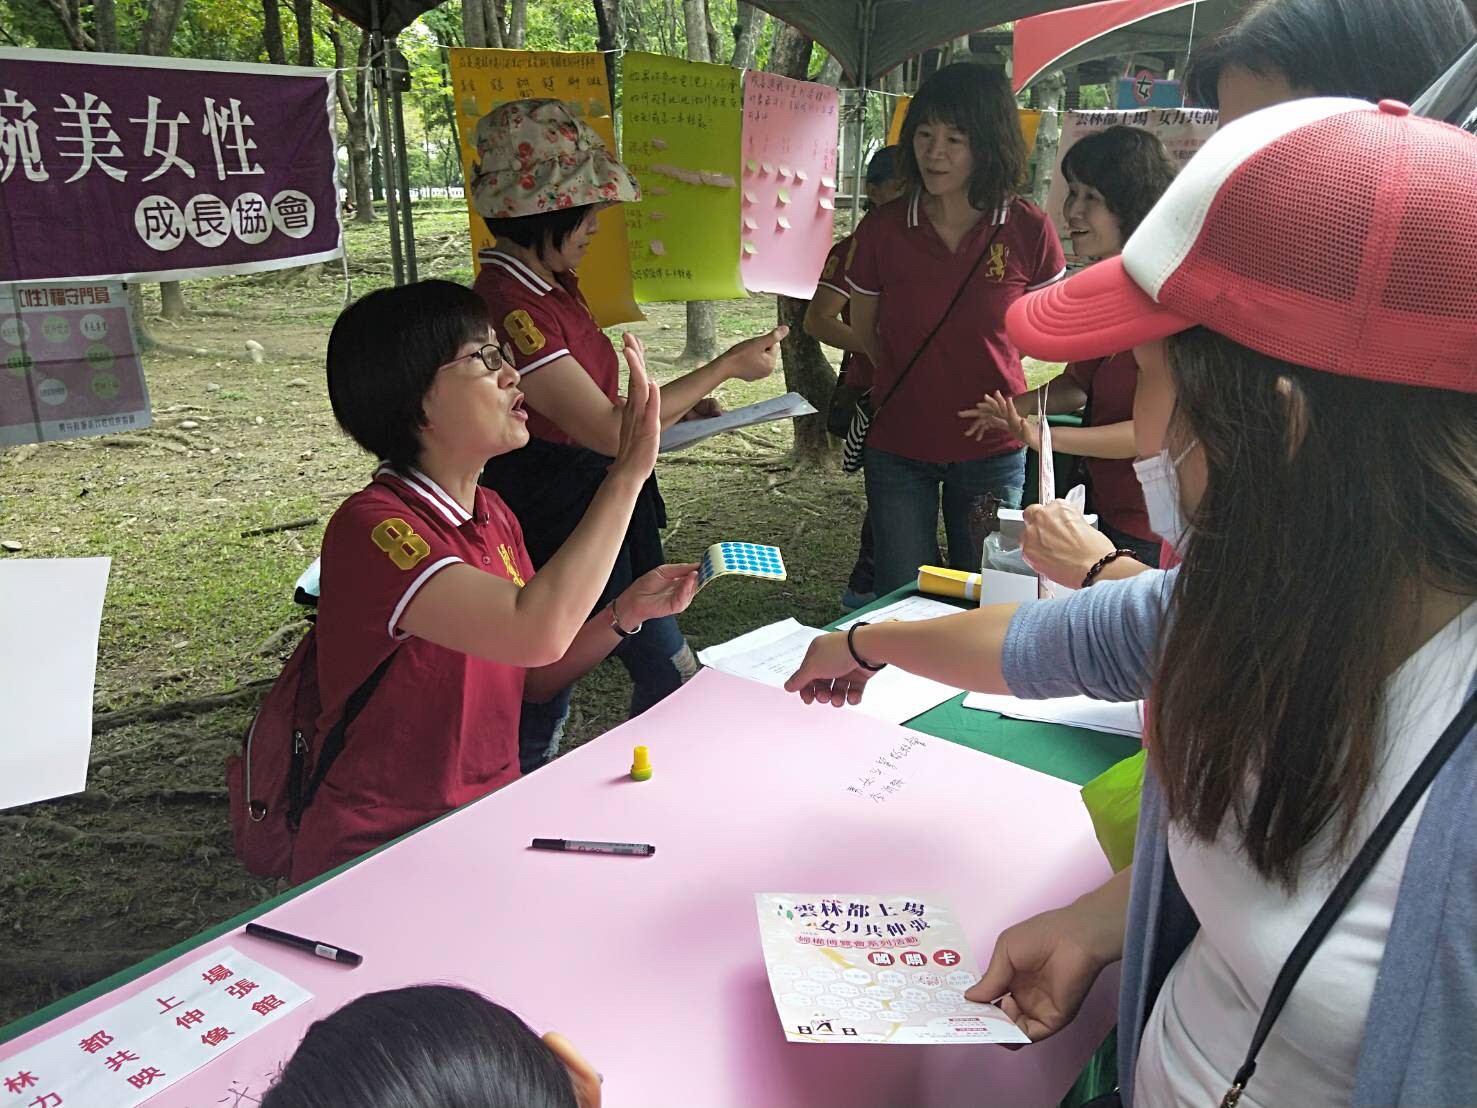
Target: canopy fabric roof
393 15
1116 28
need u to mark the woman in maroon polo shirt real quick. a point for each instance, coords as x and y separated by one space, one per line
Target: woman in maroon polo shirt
963 232
1113 178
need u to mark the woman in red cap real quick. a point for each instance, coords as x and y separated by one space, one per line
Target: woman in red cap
542 178
1296 926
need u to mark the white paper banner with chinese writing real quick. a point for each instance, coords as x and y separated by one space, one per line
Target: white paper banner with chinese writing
68 366
133 167
136 1049
862 968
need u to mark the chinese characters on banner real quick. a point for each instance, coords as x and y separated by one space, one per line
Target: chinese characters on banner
123 1056
1182 130
788 183
681 127
122 166
69 364
862 968
483 79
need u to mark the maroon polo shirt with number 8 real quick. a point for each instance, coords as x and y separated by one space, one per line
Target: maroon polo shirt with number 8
901 259
441 728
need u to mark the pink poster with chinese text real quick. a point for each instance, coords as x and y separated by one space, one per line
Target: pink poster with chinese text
789 183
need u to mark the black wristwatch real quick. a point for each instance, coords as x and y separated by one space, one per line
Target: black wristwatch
615 624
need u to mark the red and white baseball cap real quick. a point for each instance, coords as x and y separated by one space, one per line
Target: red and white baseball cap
1329 233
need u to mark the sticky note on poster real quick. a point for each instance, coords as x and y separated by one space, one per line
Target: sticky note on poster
792 125
696 110
849 968
482 80
68 364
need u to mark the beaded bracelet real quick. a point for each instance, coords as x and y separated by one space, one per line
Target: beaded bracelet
1103 563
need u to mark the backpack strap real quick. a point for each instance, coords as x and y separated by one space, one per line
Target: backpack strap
301 789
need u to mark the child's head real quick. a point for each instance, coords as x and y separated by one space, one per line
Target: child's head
431 1046
1283 49
963 136
1113 178
882 179
417 364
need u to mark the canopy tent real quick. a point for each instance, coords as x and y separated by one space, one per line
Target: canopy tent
1115 28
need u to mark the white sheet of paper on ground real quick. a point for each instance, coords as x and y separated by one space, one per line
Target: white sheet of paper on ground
138 1048
770 655
682 435
908 610
1073 711
48 654
863 968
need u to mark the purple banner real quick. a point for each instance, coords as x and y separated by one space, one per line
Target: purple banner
139 168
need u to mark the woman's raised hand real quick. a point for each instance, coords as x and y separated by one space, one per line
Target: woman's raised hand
641 416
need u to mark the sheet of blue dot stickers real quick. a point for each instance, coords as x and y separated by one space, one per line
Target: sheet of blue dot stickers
746 559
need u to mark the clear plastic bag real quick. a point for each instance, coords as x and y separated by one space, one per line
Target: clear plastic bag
1008 558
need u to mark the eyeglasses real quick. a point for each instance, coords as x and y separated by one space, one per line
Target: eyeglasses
491 355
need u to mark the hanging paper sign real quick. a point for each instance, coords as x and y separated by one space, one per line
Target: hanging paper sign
1183 131
1144 90
483 79
791 125
142 168
69 368
681 124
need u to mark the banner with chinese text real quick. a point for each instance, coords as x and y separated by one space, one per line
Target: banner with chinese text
68 366
681 126
483 79
141 168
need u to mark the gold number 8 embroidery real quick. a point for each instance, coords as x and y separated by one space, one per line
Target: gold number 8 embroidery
396 538
519 327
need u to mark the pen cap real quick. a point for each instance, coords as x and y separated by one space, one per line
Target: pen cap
548 844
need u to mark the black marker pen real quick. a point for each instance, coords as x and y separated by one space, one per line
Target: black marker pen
312 946
584 846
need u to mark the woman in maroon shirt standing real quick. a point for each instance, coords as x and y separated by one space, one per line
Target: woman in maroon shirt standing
961 231
1113 178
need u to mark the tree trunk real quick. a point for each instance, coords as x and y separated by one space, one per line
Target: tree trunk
105 15
517 24
159 26
702 315
715 44
172 299
302 14
272 33
1048 91
806 369
474 30
356 121
748 25
831 72
610 25
492 19
695 19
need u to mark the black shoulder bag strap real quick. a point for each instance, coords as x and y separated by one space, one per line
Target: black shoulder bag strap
939 326
1359 869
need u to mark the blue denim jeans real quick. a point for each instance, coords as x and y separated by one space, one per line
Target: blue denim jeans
658 660
903 499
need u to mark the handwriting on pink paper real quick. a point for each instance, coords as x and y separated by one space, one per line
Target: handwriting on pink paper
884 776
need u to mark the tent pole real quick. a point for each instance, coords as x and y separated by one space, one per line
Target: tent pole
388 175
864 79
403 178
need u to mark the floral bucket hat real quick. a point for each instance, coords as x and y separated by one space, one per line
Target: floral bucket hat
535 157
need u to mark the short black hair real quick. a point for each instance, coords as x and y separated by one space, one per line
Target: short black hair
428 1046
383 354
1370 49
1128 165
978 101
537 231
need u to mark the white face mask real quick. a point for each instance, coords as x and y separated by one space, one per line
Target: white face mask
1159 478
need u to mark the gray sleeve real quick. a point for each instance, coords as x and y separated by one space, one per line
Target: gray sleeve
1101 642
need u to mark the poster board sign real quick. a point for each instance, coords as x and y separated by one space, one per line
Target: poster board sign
120 166
788 183
483 79
681 125
68 364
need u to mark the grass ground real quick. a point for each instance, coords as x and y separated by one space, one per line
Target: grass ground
143 859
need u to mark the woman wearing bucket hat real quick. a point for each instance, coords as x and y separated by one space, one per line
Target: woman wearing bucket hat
1300 904
543 177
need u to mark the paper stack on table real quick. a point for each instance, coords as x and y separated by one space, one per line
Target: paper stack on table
680 436
863 968
1071 711
911 609
771 654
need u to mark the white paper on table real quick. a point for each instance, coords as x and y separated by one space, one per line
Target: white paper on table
682 435
909 610
1074 711
130 1052
770 655
863 968
48 653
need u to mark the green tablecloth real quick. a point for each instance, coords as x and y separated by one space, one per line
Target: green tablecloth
1070 753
